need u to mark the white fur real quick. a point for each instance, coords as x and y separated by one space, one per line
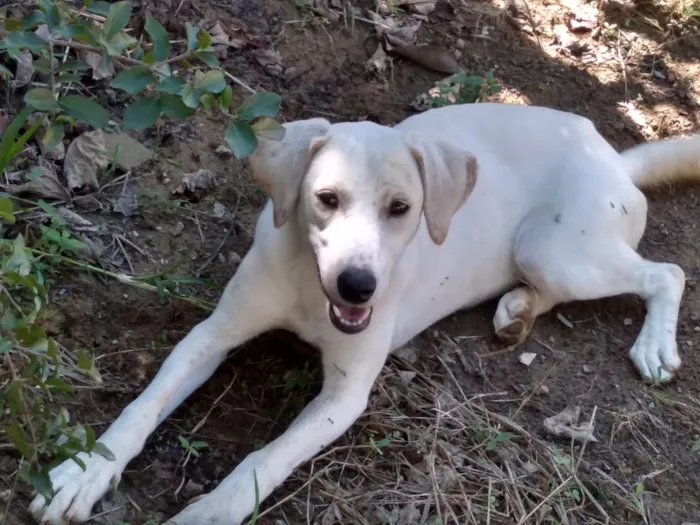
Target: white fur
554 206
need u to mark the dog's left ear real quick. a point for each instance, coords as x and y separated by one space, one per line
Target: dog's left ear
449 175
279 166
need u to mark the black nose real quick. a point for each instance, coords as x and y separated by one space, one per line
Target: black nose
356 285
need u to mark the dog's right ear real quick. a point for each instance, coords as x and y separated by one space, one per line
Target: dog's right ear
279 166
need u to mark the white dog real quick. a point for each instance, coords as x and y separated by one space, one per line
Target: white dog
353 254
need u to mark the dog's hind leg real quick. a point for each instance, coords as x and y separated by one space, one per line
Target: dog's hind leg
560 268
249 306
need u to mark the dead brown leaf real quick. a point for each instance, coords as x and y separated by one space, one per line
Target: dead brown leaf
565 424
271 61
195 184
24 71
429 57
99 70
84 158
42 183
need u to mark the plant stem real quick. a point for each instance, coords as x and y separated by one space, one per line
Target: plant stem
126 279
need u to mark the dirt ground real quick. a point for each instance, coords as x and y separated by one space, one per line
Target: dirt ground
636 75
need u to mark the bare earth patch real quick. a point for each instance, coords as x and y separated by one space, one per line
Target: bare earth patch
455 431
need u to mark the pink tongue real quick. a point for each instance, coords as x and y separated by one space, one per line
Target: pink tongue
352 313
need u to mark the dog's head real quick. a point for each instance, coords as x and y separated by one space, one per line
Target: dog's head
358 190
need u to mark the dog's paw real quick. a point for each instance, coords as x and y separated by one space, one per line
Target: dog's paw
208 509
656 358
514 320
76 490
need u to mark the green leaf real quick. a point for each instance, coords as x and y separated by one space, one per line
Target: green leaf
32 20
41 98
134 80
263 104
53 136
73 65
226 97
103 450
23 39
85 110
7 210
143 113
268 128
240 139
67 79
208 58
190 96
86 34
191 31
7 143
159 37
5 72
12 24
200 444
118 17
89 438
184 442
256 505
98 8
212 81
204 39
172 85
53 16
174 107
19 439
116 45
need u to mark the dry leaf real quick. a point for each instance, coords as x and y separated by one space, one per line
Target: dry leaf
24 71
127 203
430 57
565 424
74 221
383 26
271 61
84 158
42 183
219 35
196 183
99 70
46 34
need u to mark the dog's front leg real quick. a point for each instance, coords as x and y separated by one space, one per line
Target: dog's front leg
250 305
350 369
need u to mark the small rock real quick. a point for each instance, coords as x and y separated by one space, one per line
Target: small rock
112 509
627 321
222 213
223 151
527 358
587 369
407 353
583 18
234 258
178 228
542 390
126 152
192 489
407 376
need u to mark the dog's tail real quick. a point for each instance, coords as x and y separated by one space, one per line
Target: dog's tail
664 161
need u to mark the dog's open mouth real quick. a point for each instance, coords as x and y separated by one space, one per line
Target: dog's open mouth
349 319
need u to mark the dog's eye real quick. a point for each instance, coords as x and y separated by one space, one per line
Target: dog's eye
398 208
329 199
